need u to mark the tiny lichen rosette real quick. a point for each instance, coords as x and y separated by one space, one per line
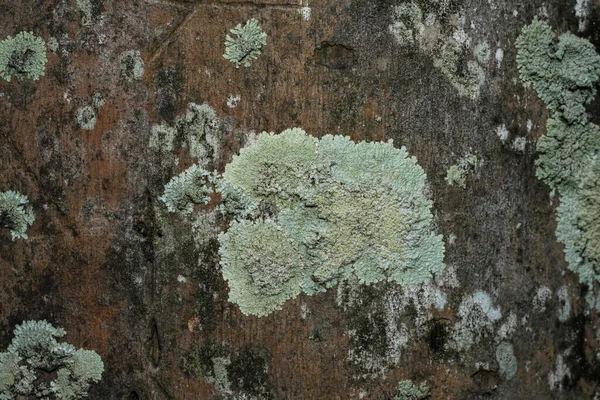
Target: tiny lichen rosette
23 56
339 209
245 47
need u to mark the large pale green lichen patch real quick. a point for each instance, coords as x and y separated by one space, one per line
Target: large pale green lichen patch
34 353
564 73
23 56
407 390
312 213
15 214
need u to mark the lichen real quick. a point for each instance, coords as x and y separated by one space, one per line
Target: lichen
263 268
407 390
477 319
192 186
447 43
162 136
564 73
34 352
90 10
507 362
336 209
86 118
346 209
15 214
246 45
457 174
199 126
482 52
23 56
97 100
132 65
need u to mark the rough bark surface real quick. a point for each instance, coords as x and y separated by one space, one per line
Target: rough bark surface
142 287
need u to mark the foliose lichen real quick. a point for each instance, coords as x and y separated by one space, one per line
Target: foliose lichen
34 352
15 214
86 118
564 73
132 65
23 56
407 390
245 47
192 186
309 214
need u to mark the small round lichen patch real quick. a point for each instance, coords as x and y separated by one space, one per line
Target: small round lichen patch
86 118
23 56
132 65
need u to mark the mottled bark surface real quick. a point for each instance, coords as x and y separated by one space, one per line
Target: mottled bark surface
142 287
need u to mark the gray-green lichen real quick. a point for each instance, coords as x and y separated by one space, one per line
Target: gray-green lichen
507 362
309 214
246 45
97 100
23 56
34 352
90 10
162 136
564 73
443 37
344 208
15 214
457 174
197 129
407 390
132 65
192 186
478 317
86 118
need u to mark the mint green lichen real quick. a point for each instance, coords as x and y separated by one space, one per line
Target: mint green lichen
245 47
97 100
564 74
262 266
132 65
407 390
589 215
192 186
86 118
34 350
23 56
15 214
348 209
199 126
